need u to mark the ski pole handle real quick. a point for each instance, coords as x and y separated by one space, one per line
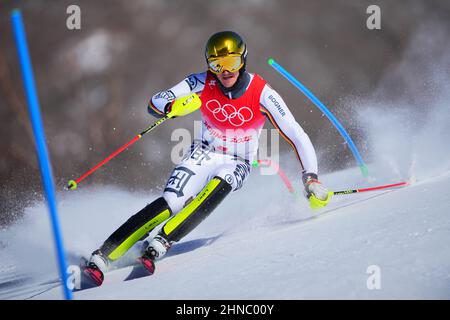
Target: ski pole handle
350 191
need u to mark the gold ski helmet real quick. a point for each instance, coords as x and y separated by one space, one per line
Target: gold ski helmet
225 51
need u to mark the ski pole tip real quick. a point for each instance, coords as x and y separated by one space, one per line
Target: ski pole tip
72 185
270 61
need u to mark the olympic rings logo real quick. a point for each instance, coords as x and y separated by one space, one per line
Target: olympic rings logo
229 113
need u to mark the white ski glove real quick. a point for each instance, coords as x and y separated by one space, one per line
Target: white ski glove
315 191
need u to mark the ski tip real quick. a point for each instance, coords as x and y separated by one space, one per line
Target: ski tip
270 61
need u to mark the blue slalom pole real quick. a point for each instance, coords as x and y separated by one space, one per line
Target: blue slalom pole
39 136
325 110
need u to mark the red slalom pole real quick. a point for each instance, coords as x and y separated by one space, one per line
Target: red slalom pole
280 172
399 184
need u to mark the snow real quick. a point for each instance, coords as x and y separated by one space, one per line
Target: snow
93 53
272 249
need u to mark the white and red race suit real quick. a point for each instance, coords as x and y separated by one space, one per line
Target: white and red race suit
231 125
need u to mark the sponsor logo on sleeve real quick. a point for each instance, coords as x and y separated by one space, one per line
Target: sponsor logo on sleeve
192 82
277 105
166 95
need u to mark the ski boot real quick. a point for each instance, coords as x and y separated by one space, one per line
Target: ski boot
155 250
95 267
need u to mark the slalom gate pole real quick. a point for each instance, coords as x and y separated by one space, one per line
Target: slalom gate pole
289 186
325 110
280 172
39 137
72 184
394 185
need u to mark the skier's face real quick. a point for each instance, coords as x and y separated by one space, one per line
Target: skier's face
227 78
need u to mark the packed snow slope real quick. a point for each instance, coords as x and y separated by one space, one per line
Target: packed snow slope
264 243
261 243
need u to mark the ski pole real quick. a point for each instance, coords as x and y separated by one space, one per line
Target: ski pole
344 192
72 184
181 107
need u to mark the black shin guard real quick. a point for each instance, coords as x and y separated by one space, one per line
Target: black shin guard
135 229
197 210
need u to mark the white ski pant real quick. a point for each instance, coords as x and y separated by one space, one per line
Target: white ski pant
199 165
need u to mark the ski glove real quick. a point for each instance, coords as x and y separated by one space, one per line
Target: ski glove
317 194
183 106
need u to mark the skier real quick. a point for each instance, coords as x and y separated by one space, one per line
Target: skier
235 104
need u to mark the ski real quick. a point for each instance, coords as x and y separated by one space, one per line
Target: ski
90 277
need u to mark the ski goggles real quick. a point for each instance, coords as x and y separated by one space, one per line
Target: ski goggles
231 63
